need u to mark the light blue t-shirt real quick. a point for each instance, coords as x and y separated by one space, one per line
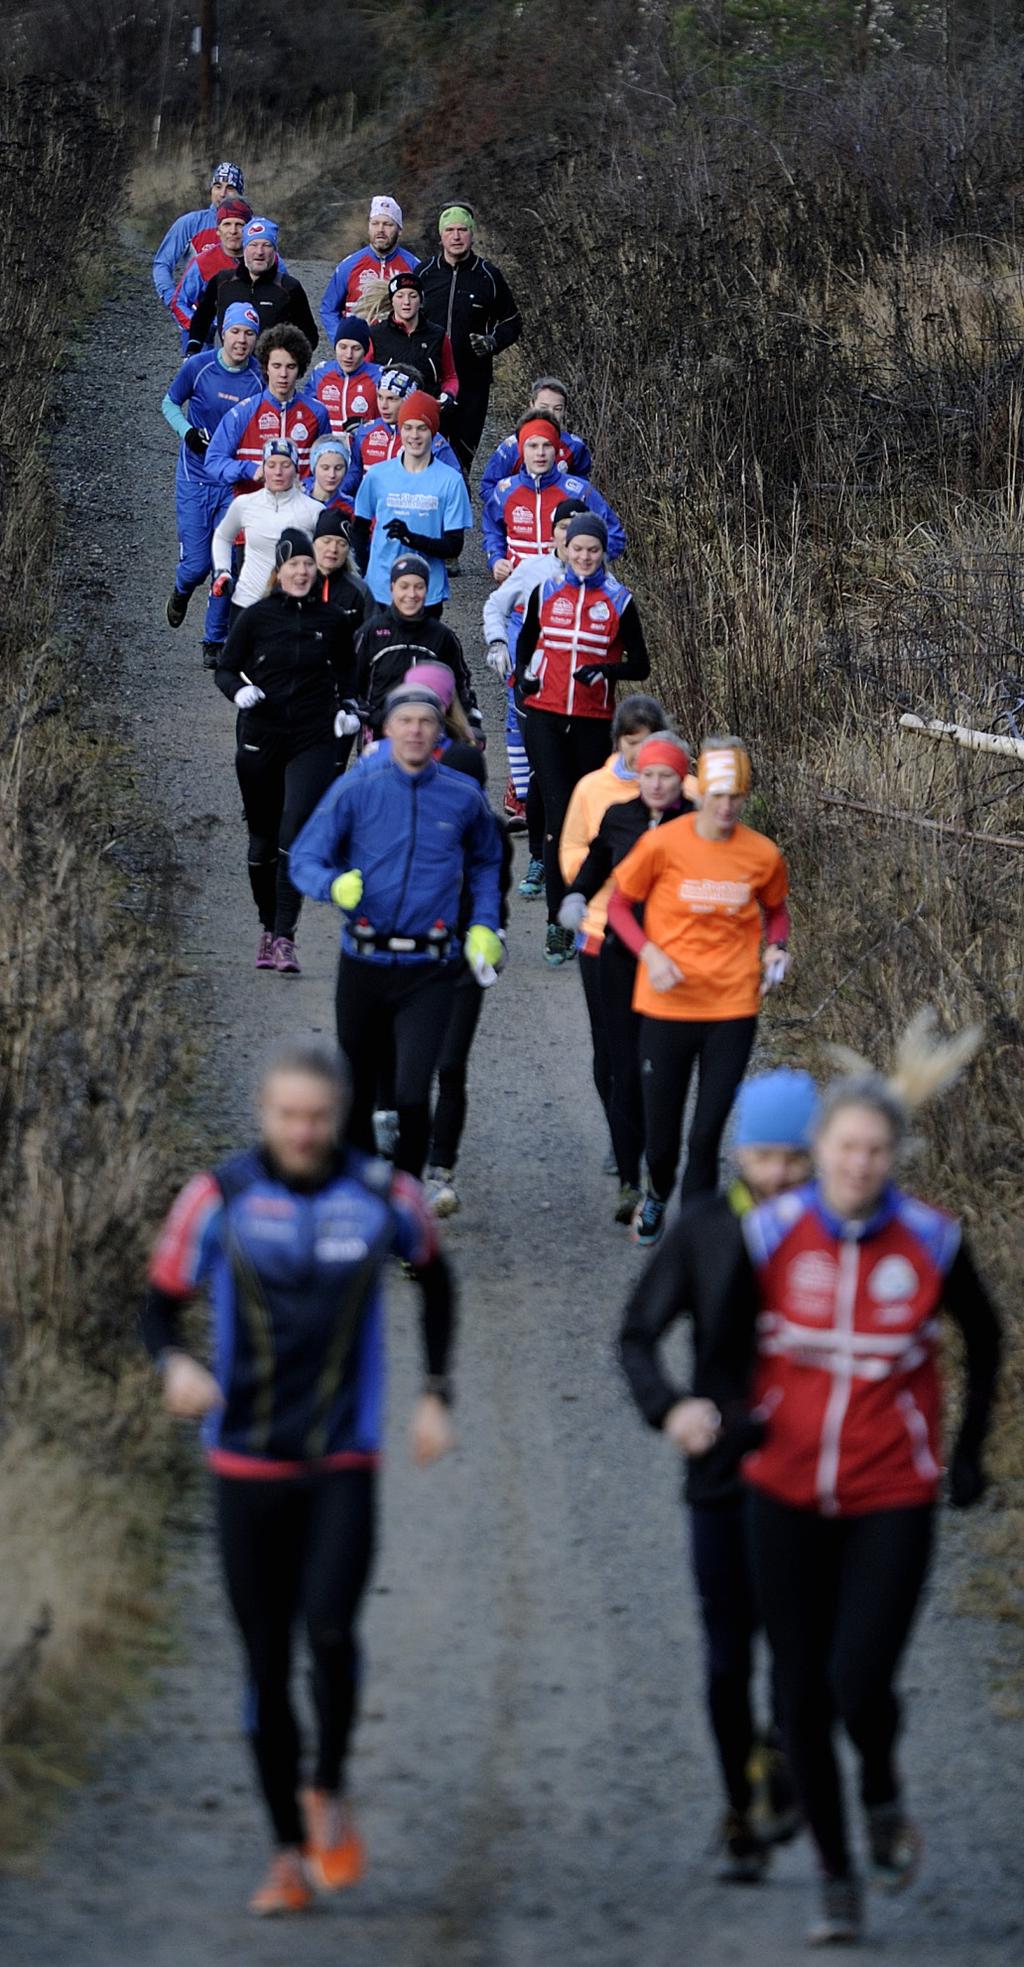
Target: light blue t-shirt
431 502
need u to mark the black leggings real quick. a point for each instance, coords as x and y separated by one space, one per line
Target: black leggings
622 1028
590 976
291 1548
280 788
450 1107
722 1573
561 750
669 1048
393 1015
838 1597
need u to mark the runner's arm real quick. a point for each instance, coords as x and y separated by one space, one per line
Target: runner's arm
449 380
506 324
528 637
204 316
448 547
484 859
235 655
172 248
224 535
662 1294
319 854
967 1301
175 416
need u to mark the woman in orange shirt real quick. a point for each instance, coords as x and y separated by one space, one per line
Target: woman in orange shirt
710 889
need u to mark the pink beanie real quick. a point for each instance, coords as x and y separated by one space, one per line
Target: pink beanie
434 676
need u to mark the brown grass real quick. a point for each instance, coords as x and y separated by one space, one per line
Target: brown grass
88 1049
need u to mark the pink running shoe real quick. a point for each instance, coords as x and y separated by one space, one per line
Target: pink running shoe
285 959
265 952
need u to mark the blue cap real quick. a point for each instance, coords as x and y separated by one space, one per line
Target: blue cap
281 447
776 1109
260 229
242 314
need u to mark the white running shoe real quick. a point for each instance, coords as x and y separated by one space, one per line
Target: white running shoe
440 1188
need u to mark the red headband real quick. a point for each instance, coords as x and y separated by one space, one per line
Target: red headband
663 751
539 427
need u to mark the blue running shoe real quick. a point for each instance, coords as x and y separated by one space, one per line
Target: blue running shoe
648 1221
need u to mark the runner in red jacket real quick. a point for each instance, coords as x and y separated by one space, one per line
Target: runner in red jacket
852 1274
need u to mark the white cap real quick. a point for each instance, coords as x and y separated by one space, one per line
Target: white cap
386 208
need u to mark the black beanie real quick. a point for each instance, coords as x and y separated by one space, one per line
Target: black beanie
293 540
332 524
567 509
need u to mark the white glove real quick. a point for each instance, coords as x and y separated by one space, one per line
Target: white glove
775 963
346 724
499 660
572 911
485 973
248 696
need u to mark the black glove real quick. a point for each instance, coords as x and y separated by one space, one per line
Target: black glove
529 686
396 529
482 345
590 673
196 440
967 1479
475 720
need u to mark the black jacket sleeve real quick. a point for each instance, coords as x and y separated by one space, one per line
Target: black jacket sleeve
596 868
969 1305
448 547
528 637
359 542
454 656
662 1293
437 1314
300 314
234 656
507 325
204 316
160 1321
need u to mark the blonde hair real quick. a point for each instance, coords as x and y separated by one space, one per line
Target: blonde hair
456 723
926 1064
374 303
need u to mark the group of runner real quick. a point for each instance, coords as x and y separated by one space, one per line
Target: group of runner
812 1429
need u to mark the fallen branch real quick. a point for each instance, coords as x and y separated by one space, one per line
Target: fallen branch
916 819
963 734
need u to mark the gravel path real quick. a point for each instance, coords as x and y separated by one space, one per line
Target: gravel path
532 1769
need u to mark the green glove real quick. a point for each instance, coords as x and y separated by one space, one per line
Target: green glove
483 946
347 889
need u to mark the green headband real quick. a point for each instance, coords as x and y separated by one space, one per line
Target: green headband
455 215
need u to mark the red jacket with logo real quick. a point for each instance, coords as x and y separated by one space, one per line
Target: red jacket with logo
346 397
202 242
236 449
847 1380
578 622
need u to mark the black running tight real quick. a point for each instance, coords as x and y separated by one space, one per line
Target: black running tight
838 1597
280 788
297 1548
669 1049
561 750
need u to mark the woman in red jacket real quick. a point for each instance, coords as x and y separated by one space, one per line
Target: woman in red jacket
852 1273
581 635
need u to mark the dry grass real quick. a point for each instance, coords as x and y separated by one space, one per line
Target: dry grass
88 1048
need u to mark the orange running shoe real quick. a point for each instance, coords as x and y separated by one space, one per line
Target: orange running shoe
286 1887
335 1853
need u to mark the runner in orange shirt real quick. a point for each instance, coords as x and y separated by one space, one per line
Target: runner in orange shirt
710 888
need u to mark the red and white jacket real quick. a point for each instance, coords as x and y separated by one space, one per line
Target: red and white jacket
847 1381
345 397
578 624
201 242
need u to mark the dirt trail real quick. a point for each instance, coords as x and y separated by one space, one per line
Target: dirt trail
532 1769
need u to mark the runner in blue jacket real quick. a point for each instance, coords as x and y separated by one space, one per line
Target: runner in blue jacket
206 388
401 851
549 396
176 244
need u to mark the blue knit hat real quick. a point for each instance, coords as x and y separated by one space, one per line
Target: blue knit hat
328 443
242 314
776 1109
352 327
